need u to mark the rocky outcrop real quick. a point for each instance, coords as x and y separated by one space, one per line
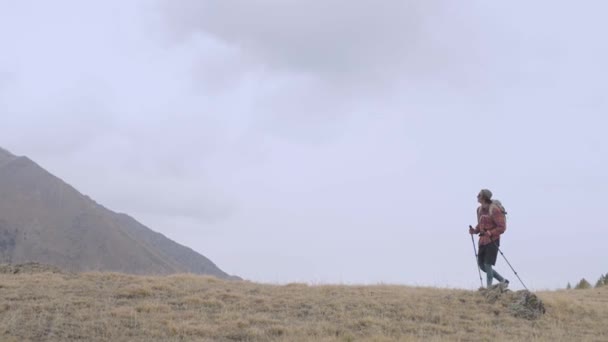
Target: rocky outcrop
522 304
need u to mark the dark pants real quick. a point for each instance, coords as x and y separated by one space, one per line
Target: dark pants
486 259
488 253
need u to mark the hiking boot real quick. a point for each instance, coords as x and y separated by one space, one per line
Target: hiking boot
504 284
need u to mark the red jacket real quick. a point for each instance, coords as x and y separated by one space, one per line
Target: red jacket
492 222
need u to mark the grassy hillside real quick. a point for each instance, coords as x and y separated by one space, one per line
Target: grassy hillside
55 306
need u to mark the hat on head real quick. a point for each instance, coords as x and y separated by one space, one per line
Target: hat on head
485 193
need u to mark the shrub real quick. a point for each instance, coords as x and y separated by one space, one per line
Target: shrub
602 281
583 284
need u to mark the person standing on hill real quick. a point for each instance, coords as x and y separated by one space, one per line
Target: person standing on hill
491 224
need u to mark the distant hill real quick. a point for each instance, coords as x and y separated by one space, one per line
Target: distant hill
43 219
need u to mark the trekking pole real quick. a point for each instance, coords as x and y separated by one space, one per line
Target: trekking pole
517 275
476 259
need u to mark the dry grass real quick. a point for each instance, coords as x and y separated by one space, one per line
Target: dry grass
118 307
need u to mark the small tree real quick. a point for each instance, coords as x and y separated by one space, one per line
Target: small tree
568 287
602 281
583 284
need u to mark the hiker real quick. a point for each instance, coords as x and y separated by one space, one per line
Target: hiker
491 223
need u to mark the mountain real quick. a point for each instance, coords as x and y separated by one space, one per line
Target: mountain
43 219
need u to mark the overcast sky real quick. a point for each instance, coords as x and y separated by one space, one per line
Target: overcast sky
325 141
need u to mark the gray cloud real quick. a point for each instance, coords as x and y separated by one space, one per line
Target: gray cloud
369 46
336 40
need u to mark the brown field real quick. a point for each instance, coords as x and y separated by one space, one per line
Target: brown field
116 307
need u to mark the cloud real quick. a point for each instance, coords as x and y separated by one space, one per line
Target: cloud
306 69
337 40
373 49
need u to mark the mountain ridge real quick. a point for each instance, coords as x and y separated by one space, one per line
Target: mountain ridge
44 219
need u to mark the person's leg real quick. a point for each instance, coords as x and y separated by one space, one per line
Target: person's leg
484 265
490 260
481 256
489 273
498 276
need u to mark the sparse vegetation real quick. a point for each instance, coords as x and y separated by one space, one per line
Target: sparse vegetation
603 280
582 285
116 307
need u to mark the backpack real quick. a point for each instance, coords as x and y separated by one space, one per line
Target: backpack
495 204
498 204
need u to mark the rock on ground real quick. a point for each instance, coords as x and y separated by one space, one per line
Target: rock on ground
522 304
